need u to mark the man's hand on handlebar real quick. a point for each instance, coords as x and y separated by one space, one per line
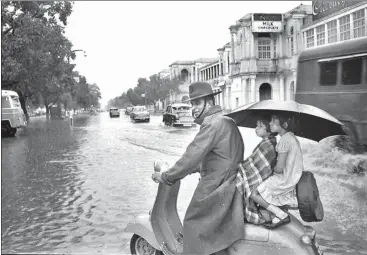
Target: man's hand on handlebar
157 177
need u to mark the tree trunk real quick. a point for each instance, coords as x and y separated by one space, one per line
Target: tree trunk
22 101
47 110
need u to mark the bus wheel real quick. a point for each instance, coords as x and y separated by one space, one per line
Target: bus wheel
12 132
5 129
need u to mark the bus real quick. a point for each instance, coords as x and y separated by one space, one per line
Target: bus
333 77
12 115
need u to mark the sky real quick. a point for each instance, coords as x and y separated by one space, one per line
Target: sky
126 40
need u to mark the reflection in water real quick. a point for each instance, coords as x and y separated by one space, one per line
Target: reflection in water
73 189
38 196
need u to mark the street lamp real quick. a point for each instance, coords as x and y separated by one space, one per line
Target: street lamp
85 54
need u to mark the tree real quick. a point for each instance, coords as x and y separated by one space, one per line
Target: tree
34 49
154 89
87 94
134 97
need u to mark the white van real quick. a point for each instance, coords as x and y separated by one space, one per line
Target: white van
12 115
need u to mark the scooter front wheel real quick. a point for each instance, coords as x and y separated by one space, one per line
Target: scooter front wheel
140 246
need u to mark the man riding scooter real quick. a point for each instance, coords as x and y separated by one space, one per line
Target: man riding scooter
214 218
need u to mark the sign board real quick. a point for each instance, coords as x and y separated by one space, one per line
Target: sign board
142 95
321 9
267 17
267 23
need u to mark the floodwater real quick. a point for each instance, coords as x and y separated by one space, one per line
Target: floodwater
73 189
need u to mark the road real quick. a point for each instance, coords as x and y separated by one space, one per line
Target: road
73 189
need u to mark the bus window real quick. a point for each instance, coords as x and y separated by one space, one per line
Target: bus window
15 100
5 102
352 72
328 73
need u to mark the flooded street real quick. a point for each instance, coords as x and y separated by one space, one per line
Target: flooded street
73 189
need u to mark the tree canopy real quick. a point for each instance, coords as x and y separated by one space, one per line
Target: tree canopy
155 88
35 54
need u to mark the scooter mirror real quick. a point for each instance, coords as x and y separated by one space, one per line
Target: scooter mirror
160 166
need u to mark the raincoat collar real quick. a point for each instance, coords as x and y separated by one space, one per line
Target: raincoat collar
211 111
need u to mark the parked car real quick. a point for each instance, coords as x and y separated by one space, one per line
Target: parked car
140 113
128 110
179 114
114 112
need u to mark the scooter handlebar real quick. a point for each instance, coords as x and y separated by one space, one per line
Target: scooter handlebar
160 166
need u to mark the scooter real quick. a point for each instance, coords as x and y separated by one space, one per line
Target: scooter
159 231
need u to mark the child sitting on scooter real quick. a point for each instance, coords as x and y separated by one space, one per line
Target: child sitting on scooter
256 168
279 189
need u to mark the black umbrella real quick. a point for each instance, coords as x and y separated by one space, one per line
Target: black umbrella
311 122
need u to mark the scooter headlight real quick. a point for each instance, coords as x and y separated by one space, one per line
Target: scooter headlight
306 239
309 231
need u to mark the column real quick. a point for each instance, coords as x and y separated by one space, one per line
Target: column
192 74
295 80
220 64
247 44
243 89
281 87
252 45
295 39
280 39
228 99
232 46
223 99
253 89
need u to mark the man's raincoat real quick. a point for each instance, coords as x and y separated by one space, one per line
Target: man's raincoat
214 219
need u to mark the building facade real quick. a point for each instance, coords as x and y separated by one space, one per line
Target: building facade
264 51
332 23
187 72
217 74
260 61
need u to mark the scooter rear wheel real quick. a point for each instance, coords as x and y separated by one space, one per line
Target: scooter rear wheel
140 246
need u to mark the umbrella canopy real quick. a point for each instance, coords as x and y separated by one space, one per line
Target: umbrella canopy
311 122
